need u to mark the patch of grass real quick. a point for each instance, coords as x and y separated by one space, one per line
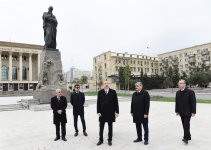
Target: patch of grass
167 99
157 99
91 93
94 93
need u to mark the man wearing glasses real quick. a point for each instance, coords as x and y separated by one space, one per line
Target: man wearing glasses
59 105
185 108
77 100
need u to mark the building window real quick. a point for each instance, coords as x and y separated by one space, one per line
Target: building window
24 58
14 73
4 73
14 57
105 65
24 73
105 56
4 57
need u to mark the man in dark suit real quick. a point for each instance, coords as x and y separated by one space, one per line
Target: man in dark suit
59 105
185 107
140 104
77 100
107 110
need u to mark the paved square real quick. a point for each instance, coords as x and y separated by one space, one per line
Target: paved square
28 130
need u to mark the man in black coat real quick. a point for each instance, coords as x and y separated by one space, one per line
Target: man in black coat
185 107
107 110
139 111
77 100
59 105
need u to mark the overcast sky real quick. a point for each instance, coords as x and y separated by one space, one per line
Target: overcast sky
87 28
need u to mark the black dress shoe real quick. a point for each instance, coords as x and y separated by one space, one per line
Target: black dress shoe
137 140
109 143
64 139
85 134
146 142
185 141
56 139
99 143
76 134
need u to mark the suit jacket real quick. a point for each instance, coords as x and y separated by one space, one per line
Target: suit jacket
140 104
107 105
59 105
185 102
77 100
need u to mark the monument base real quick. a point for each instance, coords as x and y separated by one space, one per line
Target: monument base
45 94
51 76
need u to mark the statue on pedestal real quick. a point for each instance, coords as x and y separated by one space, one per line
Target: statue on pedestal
49 26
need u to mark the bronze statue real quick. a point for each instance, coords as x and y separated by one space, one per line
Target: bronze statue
49 26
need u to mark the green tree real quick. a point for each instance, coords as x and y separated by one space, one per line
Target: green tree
83 80
127 75
167 83
175 76
121 77
100 78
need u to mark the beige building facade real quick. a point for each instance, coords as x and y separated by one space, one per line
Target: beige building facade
20 66
107 65
186 59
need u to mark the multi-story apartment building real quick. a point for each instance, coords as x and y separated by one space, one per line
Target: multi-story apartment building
186 59
107 65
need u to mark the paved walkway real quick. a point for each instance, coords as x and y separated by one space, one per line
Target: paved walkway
28 130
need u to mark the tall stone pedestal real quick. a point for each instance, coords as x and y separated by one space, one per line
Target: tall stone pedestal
51 76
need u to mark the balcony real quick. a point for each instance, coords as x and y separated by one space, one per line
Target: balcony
205 58
205 52
192 67
174 58
165 65
176 63
191 55
164 60
192 60
207 64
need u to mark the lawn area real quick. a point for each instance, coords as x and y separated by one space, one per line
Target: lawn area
94 93
167 99
159 99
